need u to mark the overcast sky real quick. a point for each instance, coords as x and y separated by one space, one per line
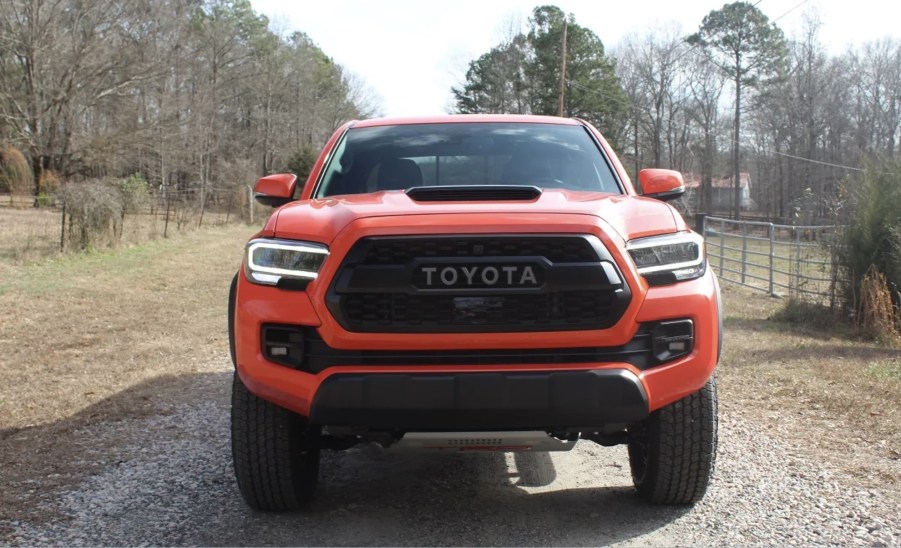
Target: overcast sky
410 52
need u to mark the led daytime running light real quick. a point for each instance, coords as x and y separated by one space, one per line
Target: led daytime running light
683 255
268 261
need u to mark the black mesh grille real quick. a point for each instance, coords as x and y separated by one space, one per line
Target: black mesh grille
405 306
555 249
370 310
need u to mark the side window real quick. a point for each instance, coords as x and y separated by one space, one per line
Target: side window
338 168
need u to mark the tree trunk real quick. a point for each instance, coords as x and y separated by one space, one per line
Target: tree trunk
707 170
735 152
37 166
635 146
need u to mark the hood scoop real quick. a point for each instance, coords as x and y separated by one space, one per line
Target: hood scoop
473 193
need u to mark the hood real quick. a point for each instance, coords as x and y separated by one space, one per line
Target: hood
321 220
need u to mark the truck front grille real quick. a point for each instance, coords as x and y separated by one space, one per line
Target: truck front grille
459 284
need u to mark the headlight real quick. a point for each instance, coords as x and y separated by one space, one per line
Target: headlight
669 259
270 261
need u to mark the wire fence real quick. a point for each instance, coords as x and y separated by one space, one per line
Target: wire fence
782 260
30 232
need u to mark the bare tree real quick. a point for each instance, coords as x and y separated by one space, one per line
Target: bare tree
67 58
747 48
181 91
705 85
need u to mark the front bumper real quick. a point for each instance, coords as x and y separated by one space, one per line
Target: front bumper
546 400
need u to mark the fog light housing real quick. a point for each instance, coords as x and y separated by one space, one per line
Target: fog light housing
283 344
672 339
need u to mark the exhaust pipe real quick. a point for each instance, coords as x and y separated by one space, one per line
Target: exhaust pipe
465 442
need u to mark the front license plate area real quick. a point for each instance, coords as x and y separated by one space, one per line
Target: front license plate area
478 310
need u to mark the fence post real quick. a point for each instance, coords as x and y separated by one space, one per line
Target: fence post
772 234
250 202
722 246
62 228
797 262
166 222
744 250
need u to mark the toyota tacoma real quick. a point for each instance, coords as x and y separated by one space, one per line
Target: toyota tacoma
473 283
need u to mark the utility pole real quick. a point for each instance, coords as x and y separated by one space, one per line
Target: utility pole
563 72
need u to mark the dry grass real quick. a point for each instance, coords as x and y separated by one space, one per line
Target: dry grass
80 328
876 312
28 233
837 397
98 337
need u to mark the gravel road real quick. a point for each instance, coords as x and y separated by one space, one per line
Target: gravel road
165 478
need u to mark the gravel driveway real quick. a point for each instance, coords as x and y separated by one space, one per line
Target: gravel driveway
166 478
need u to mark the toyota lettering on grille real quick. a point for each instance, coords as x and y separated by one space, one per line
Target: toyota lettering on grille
478 276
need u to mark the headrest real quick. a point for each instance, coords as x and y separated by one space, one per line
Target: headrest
398 174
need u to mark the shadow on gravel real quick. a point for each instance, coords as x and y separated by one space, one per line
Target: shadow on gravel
152 465
38 461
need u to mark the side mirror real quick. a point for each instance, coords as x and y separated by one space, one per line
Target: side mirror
663 184
275 190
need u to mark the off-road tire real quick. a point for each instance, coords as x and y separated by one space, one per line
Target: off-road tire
275 452
672 452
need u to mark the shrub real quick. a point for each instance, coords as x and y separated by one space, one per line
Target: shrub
94 210
49 182
870 252
45 199
15 173
301 163
135 192
876 311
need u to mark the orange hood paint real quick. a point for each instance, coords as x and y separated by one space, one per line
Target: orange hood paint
321 220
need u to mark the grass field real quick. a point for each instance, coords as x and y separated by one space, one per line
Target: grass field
78 329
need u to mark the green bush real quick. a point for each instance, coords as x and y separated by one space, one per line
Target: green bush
872 239
301 163
45 199
135 193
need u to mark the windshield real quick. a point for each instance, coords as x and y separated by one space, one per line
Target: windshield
398 157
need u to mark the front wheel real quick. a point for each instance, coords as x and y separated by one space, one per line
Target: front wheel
672 452
275 452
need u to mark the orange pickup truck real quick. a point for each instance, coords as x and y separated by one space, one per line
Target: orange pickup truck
473 283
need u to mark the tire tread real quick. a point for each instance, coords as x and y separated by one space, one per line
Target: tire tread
682 440
275 461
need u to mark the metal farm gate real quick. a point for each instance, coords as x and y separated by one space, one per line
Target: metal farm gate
783 260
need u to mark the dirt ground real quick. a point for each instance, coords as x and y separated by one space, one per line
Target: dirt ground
838 396
107 337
